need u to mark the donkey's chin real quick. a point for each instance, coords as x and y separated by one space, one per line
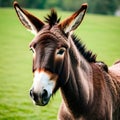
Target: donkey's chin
41 103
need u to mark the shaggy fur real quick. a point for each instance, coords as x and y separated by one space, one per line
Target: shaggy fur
90 89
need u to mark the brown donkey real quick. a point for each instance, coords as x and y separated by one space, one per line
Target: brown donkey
90 90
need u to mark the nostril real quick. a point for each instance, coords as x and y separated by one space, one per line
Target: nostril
44 94
31 93
34 95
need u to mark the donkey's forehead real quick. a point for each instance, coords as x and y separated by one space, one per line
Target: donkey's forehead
54 34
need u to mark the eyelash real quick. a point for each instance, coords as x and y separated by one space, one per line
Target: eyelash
61 51
31 49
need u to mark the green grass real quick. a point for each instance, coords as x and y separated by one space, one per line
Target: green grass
101 34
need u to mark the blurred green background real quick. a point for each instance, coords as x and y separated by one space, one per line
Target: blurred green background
100 33
95 6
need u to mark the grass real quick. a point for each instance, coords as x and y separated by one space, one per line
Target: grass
100 33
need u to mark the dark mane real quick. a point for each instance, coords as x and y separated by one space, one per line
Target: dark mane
87 54
52 19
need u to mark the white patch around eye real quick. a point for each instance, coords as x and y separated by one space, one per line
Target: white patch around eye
42 81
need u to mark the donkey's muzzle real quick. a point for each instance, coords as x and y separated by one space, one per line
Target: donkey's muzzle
40 99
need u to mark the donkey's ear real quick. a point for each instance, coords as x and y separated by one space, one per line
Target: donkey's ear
28 20
72 22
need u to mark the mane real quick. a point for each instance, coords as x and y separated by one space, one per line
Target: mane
87 54
52 19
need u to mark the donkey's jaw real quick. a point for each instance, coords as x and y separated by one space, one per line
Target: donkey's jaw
42 88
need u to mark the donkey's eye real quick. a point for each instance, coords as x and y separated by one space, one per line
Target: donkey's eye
60 51
31 49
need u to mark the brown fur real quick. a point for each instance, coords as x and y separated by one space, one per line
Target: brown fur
90 90
105 104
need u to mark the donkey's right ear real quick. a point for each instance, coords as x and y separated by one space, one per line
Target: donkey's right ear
28 20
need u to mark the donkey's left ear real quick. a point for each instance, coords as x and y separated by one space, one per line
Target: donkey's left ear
31 22
73 21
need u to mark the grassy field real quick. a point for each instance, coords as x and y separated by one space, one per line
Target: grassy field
101 34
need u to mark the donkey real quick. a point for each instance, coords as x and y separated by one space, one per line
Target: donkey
90 90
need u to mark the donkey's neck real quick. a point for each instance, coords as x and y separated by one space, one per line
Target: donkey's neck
77 92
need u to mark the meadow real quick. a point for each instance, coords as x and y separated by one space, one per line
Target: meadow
101 34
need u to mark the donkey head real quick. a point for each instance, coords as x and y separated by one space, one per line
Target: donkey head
50 48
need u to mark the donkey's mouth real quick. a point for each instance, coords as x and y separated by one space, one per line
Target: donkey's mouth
42 102
40 99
